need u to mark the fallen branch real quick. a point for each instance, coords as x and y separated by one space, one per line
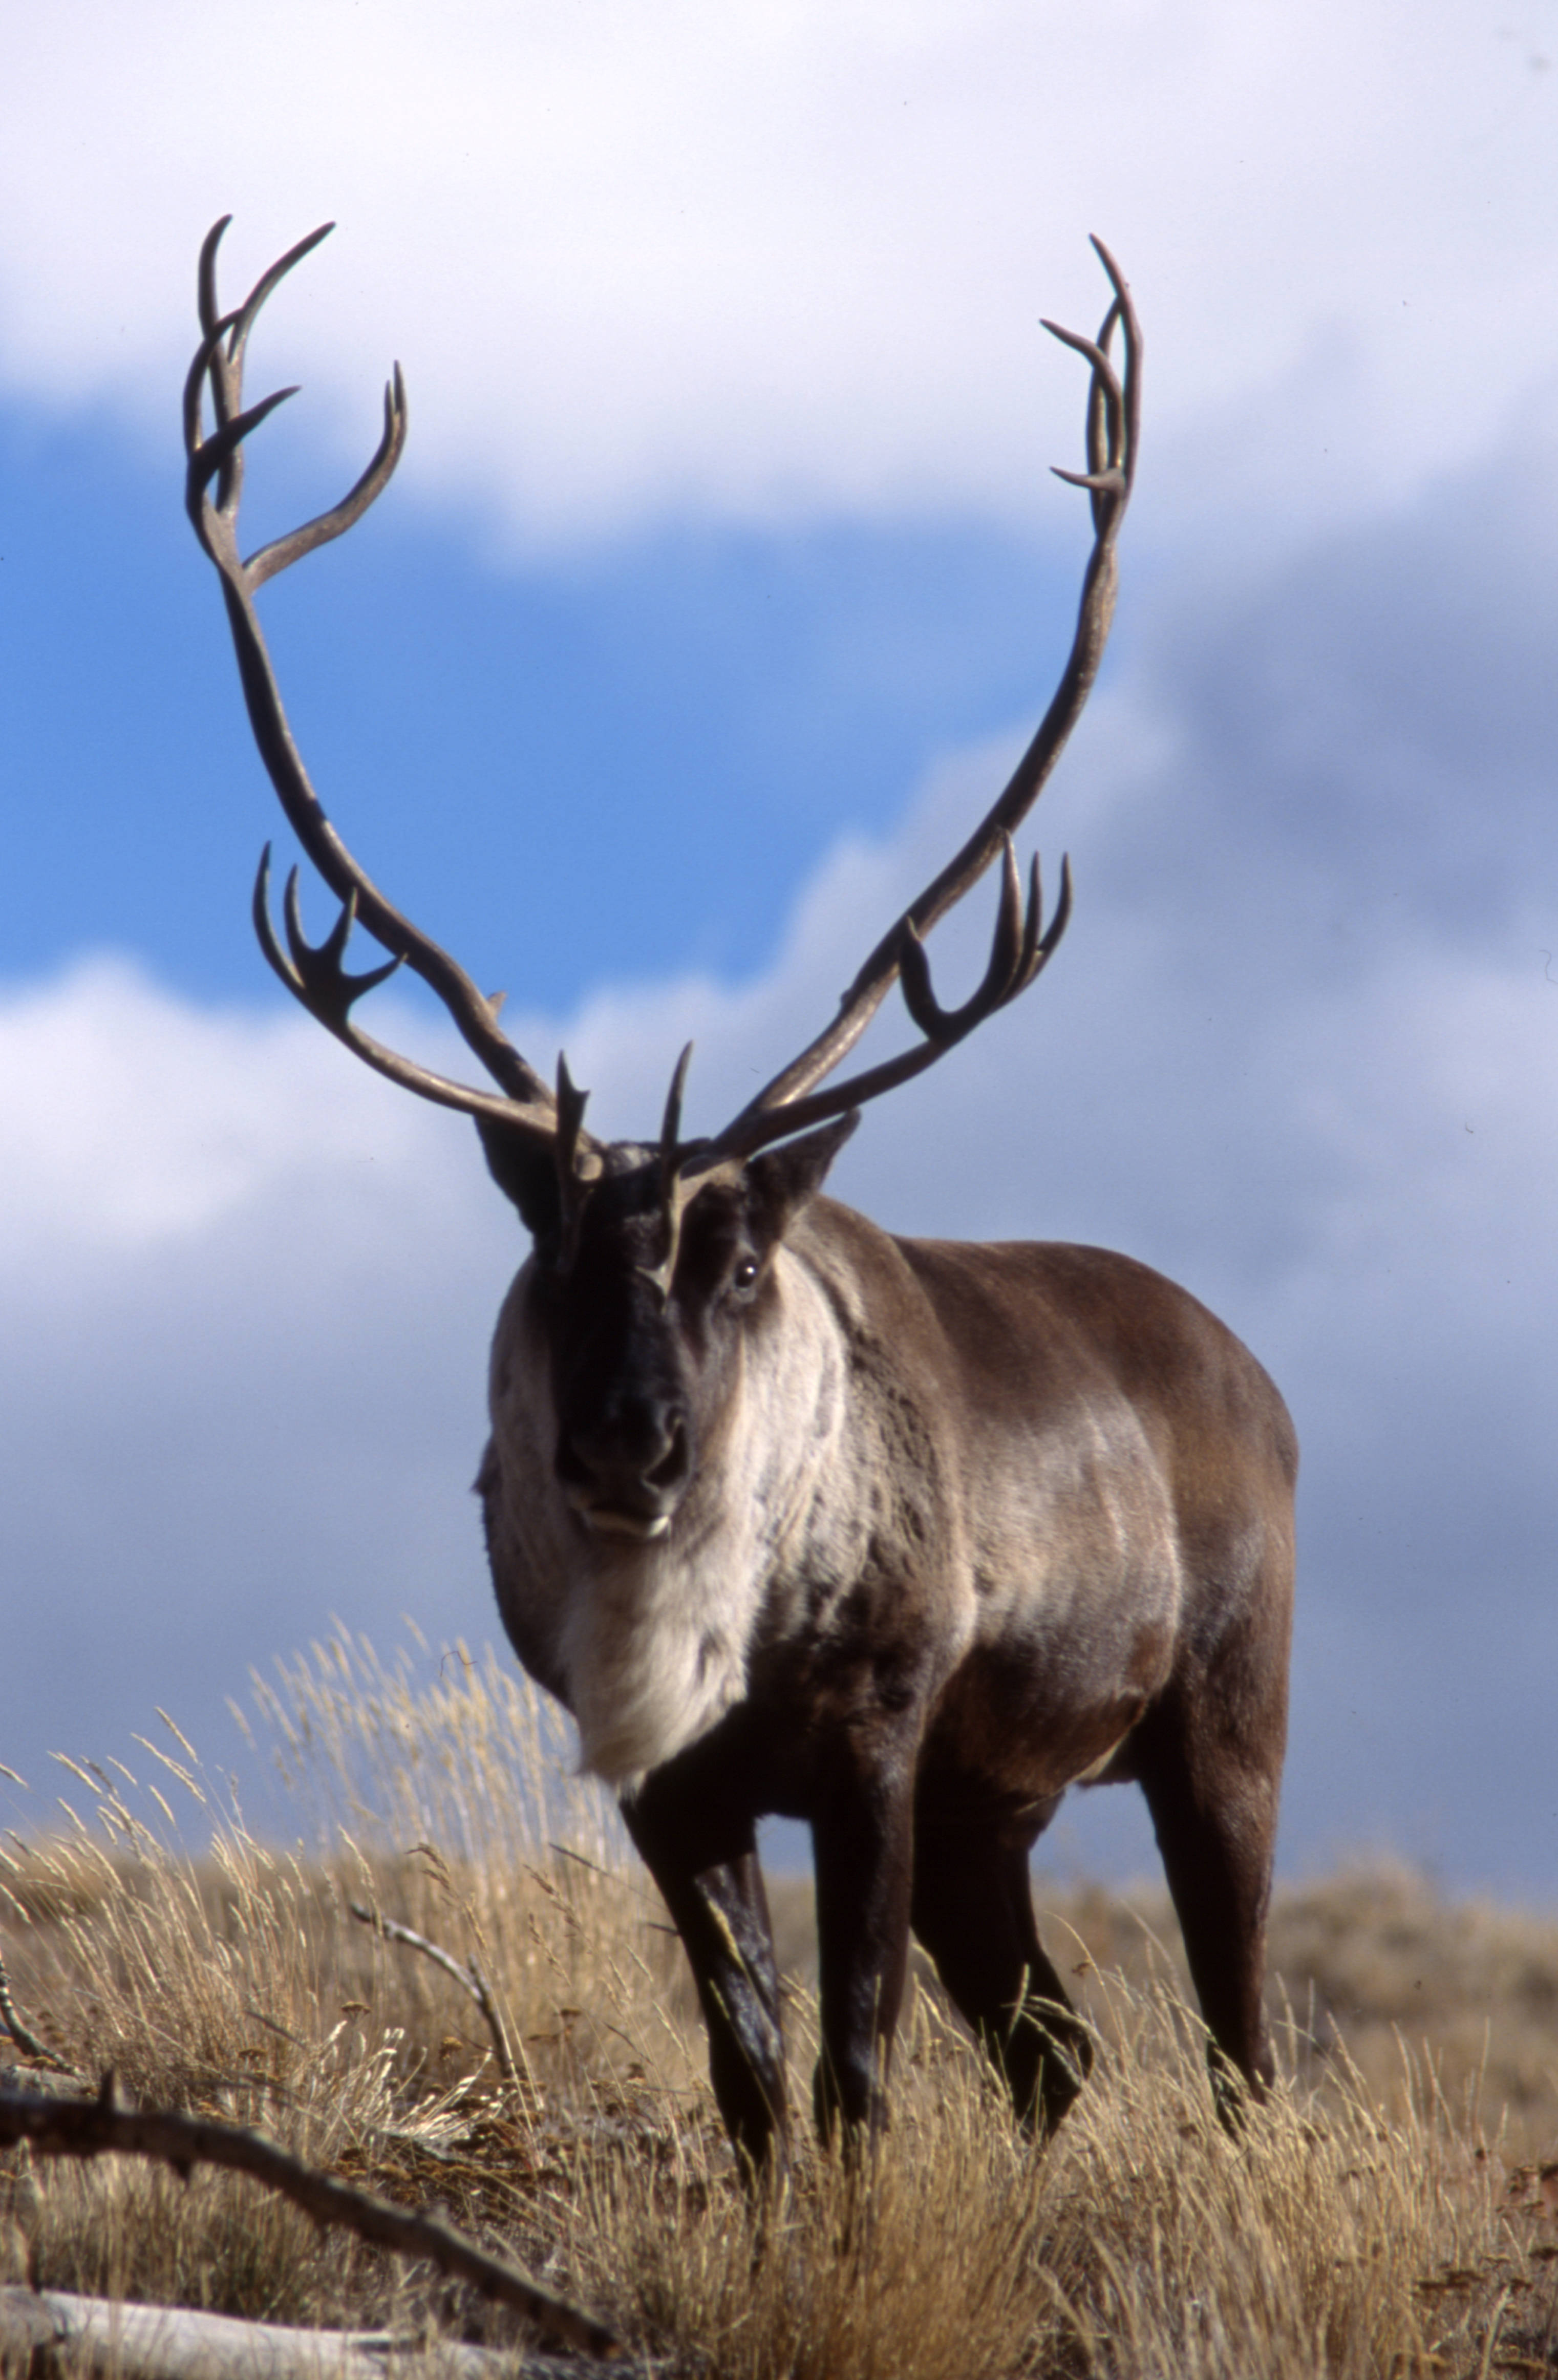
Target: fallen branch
48 2330
86 2128
469 1978
153 2342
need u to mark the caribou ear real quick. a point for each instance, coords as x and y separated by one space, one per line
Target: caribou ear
782 1183
524 1173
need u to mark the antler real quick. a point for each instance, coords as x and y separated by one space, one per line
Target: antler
1019 951
315 974
793 1101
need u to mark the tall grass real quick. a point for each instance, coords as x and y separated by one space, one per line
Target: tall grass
1373 2219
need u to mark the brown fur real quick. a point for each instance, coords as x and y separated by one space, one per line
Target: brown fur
1032 1523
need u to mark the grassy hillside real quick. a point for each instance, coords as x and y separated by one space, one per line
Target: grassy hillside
1388 2213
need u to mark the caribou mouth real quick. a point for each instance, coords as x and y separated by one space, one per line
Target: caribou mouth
606 1521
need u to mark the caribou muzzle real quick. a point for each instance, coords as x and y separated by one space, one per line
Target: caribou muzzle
625 1468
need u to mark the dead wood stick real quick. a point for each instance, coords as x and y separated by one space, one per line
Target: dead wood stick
87 2128
469 1977
40 2330
105 2336
27 2043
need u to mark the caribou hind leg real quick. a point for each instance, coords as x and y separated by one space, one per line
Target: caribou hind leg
1212 1793
973 1912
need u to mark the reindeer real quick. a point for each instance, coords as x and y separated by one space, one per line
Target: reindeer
900 1538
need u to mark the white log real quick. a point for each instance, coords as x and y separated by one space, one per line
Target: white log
149 2342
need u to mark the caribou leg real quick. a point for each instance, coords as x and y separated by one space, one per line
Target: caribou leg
973 1912
1214 1807
720 1909
862 1840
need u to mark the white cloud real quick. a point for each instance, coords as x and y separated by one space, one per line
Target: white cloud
773 261
130 1121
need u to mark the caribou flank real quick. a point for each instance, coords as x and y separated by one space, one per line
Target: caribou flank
899 1537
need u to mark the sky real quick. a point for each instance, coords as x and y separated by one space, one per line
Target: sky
722 580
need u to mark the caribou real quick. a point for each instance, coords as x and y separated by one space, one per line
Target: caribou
899 1537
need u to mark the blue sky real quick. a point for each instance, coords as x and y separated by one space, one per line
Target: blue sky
718 700
722 578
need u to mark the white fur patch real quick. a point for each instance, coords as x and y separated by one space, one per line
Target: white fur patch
655 1655
651 1636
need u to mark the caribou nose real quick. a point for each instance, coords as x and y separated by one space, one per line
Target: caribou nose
631 1459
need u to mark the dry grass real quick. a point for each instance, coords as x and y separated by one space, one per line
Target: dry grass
1381 2217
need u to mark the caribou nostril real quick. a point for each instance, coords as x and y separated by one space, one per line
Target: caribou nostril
672 1465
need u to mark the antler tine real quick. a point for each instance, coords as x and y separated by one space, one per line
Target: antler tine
314 976
1105 407
317 978
282 552
1012 946
1123 311
671 1124
226 371
328 991
1018 956
676 1190
210 363
206 301
577 1169
1102 420
215 457
685 1169
790 1102
268 281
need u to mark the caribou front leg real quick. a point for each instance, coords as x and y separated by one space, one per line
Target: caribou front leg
712 1886
862 1834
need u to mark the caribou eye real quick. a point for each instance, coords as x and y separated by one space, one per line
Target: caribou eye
746 1273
